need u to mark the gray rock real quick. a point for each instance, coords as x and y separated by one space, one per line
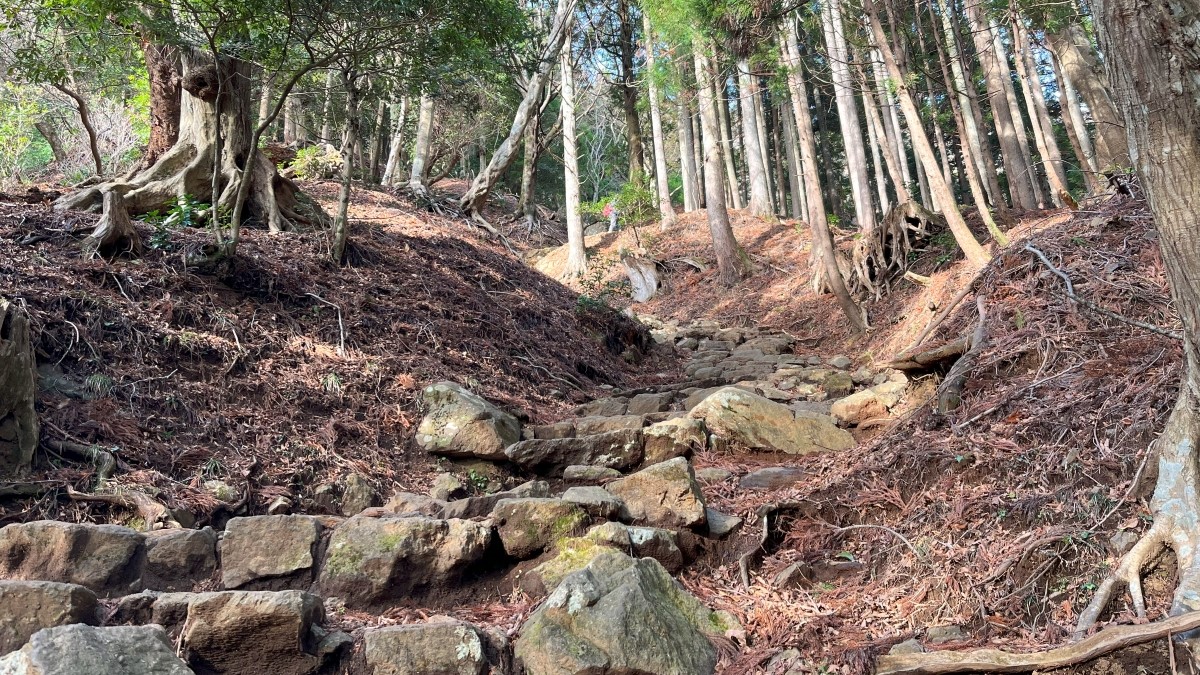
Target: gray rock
85 650
721 525
259 549
644 404
445 647
222 491
462 424
590 426
868 404
176 560
565 429
937 635
582 473
357 495
108 559
909 646
664 495
27 607
838 384
758 423
678 437
603 407
616 450
841 362
527 526
772 478
689 343
447 487
482 505
798 574
372 560
641 542
412 504
863 375
620 615
597 502
712 474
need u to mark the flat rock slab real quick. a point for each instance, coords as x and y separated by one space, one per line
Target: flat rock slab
663 495
590 426
761 424
78 649
177 560
462 424
435 648
772 478
616 450
597 502
260 548
27 607
108 559
240 632
644 404
678 437
528 526
582 473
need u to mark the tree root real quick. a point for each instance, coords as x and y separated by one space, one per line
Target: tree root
996 661
153 514
114 231
949 394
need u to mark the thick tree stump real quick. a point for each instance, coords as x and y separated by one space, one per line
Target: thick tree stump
643 277
18 390
114 232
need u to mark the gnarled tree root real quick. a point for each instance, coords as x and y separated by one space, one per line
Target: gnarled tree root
996 661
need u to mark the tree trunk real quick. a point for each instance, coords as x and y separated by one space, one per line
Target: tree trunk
1014 108
52 140
781 179
818 221
399 121
629 93
1077 133
891 126
732 184
327 107
420 158
86 120
874 141
1035 102
264 101
378 140
942 196
665 210
531 151
1153 61
1016 163
1078 61
576 253
760 194
856 157
732 262
162 69
799 205
341 222
832 193
473 201
687 153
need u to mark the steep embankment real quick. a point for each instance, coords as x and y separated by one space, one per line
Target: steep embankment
282 372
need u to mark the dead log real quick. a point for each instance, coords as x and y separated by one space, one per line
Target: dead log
643 277
995 661
949 394
930 358
18 391
114 233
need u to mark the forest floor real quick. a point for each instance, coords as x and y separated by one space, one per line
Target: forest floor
282 373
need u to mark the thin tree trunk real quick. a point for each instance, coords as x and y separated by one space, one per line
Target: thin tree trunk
327 107
732 262
52 140
856 157
576 254
420 158
341 224
891 126
1014 108
378 141
399 121
732 184
1077 133
781 180
942 195
764 145
799 207
86 120
665 210
756 171
874 141
629 92
818 221
687 154
832 193
1035 102
475 198
1078 61
531 151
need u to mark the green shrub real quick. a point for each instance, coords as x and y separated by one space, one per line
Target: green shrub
317 161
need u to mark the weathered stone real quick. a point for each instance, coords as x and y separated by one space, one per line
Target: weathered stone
78 649
909 646
641 542
570 555
664 495
712 474
446 647
721 525
731 335
679 437
863 375
528 526
772 478
597 502
108 559
261 548
705 372
462 424
772 344
937 635
715 345
590 426
868 404
176 560
758 423
371 560
620 615
649 402
482 505
696 397
797 575
689 343
603 407
222 491
565 429
18 391
838 384
582 473
412 504
241 632
840 362
357 494
447 487
29 606
616 450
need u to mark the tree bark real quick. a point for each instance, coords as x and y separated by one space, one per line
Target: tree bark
378 140
341 222
687 153
629 93
852 139
399 122
732 262
760 193
1035 102
799 205
665 210
162 69
86 120
48 132
732 184
327 107
1014 108
420 158
576 253
473 201
1078 61
1077 132
818 221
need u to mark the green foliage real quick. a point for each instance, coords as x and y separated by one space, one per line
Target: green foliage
317 161
595 289
185 213
635 202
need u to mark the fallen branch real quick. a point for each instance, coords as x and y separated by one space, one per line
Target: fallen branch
937 320
995 661
949 394
153 514
1093 306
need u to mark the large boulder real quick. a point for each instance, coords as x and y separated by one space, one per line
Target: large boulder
261 549
642 542
590 426
620 615
176 560
528 526
29 606
108 559
461 424
78 649
247 632
664 495
678 437
868 404
18 391
761 424
372 560
618 450
438 647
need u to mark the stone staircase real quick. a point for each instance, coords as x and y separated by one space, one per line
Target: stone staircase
611 508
